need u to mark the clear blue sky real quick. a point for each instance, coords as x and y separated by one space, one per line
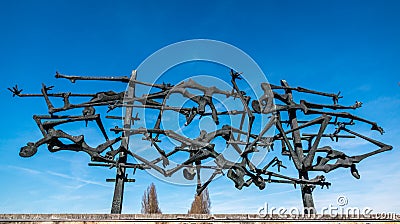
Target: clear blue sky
351 46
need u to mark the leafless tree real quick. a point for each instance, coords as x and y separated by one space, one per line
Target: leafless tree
201 203
150 201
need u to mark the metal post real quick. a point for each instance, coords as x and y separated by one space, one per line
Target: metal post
306 191
120 178
116 206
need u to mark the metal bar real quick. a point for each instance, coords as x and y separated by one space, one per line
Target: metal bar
116 207
73 78
331 122
329 135
56 95
126 180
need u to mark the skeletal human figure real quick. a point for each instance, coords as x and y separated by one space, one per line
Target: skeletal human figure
52 137
245 101
98 99
343 160
202 100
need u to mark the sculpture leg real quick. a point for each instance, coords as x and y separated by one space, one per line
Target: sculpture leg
306 194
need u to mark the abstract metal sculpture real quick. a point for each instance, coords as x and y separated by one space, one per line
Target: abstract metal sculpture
242 172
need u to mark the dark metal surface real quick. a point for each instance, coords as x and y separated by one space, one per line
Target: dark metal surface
307 158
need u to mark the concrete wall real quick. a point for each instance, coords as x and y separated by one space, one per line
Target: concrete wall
175 218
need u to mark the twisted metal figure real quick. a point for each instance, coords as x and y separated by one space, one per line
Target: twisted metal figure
243 172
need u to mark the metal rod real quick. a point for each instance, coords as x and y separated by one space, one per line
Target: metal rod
118 197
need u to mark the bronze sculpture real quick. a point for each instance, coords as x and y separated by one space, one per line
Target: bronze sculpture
243 172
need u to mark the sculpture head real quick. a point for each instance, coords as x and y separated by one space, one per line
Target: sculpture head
189 173
29 150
